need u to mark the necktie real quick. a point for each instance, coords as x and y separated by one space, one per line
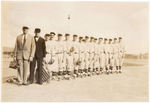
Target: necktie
24 40
36 38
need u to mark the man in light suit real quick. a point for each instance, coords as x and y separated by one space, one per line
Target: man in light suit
24 52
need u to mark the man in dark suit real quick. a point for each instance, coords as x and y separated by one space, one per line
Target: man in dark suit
40 53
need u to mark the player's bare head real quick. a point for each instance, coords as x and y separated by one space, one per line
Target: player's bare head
120 39
67 35
47 36
80 39
91 39
86 38
105 40
83 40
59 36
95 40
115 39
52 34
100 40
110 40
75 37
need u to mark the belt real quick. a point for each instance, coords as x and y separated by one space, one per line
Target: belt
75 53
110 53
69 53
47 53
59 53
87 51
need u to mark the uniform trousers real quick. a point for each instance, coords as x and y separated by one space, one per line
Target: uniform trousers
91 60
75 60
86 56
102 60
60 59
115 60
121 58
110 61
106 63
82 59
96 61
69 62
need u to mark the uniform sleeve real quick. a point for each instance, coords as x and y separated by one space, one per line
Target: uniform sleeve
64 47
124 49
56 46
53 48
104 48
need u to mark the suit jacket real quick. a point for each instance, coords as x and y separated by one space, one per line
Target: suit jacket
26 51
40 51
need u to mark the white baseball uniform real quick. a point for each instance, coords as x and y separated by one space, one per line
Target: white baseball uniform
121 53
68 55
75 54
60 55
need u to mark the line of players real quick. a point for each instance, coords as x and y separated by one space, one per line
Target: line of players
83 56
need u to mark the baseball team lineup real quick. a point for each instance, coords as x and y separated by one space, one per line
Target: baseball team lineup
79 56
65 56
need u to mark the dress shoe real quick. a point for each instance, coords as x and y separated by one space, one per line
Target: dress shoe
19 84
26 84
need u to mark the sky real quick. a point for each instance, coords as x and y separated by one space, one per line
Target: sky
98 19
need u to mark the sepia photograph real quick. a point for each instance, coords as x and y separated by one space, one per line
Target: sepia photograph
74 51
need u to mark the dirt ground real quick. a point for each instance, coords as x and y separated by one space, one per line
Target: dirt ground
131 85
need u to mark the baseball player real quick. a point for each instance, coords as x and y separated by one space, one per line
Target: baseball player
96 57
101 55
47 57
106 55
91 56
75 55
53 57
116 55
86 55
110 56
60 55
121 53
81 57
68 56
